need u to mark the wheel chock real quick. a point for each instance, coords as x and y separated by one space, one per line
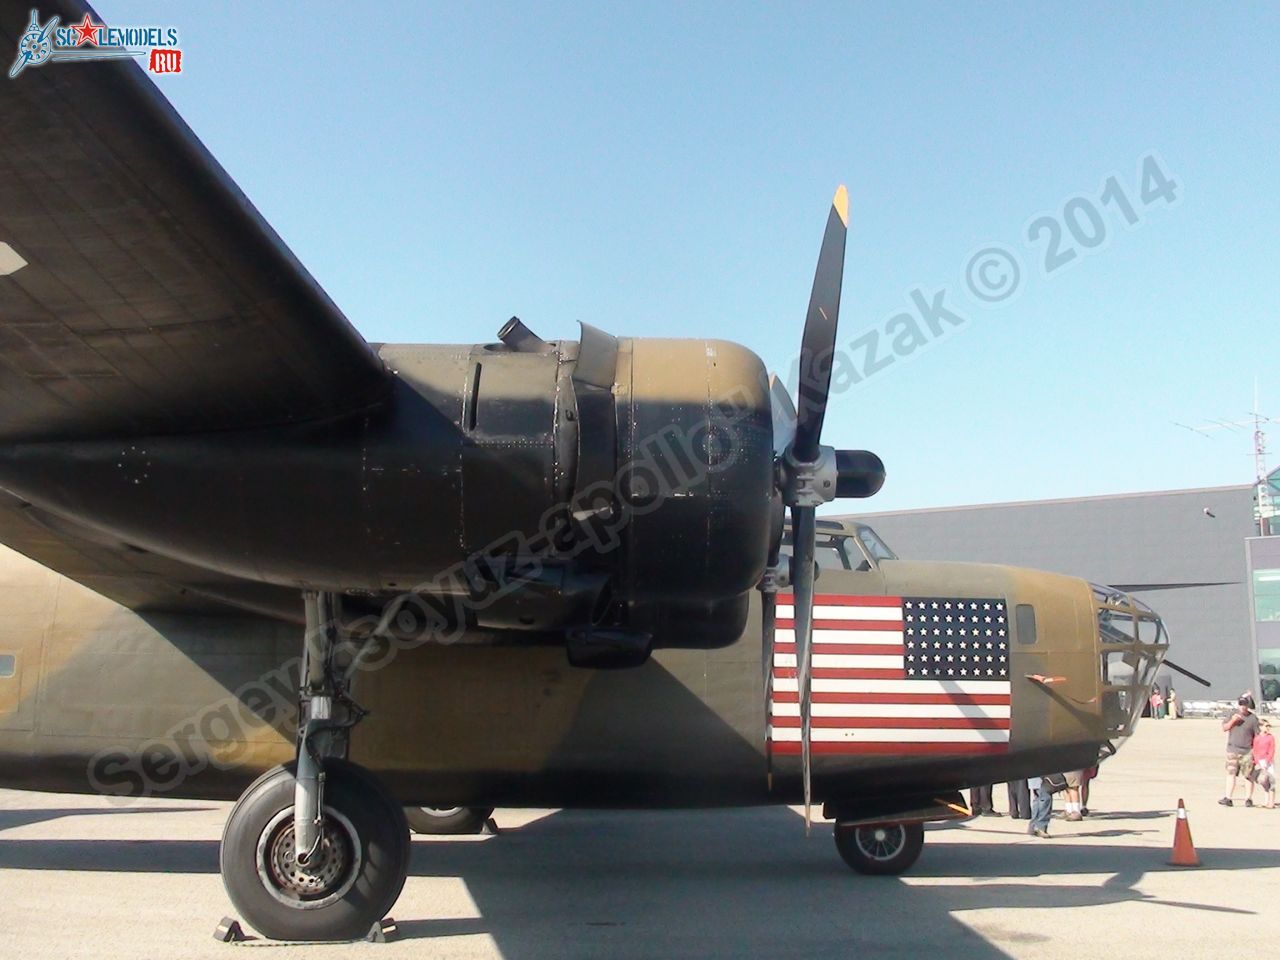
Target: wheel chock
381 930
491 827
229 931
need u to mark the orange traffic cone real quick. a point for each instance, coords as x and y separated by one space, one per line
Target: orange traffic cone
1184 851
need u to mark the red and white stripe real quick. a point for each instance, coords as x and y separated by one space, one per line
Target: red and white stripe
863 701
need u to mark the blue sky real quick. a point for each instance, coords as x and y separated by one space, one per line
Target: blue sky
664 170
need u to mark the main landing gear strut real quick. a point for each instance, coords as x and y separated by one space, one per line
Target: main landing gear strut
317 849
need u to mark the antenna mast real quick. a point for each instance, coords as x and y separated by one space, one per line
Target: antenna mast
1265 509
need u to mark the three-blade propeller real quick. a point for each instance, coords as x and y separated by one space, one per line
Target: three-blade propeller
810 474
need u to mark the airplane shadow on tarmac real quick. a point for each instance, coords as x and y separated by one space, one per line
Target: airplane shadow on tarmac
746 882
10 818
720 884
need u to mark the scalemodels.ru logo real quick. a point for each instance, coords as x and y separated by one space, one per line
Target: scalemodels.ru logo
87 40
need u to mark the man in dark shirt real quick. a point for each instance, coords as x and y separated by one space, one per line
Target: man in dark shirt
1241 728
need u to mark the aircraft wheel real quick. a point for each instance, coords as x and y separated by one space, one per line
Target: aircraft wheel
883 850
447 821
352 880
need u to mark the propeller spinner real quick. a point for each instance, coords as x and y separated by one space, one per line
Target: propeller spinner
808 473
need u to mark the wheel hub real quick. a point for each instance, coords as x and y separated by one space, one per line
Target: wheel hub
328 873
880 843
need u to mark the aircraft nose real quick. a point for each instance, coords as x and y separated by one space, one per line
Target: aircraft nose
1132 643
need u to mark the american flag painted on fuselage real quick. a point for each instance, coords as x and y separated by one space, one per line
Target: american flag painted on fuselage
895 675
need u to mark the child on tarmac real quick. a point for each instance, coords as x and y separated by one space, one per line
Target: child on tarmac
1264 762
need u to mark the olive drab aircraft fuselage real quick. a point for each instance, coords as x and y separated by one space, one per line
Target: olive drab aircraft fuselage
100 698
253 555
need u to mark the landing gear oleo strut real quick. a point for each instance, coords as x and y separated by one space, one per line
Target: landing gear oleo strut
317 849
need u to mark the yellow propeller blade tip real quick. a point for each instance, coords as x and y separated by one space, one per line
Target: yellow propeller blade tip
841 203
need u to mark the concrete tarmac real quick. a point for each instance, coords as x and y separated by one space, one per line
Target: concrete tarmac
81 877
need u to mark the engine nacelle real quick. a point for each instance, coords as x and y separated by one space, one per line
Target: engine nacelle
637 471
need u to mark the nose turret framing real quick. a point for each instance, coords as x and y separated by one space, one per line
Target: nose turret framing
1132 643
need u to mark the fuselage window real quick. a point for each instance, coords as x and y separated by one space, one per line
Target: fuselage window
8 665
1025 621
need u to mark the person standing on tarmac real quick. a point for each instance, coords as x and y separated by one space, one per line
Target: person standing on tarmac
1087 777
1019 800
1075 780
1264 763
980 801
1241 727
1041 807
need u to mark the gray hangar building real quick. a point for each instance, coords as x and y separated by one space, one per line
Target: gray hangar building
1195 556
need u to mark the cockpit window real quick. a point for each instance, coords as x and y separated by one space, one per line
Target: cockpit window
830 552
859 551
877 548
831 557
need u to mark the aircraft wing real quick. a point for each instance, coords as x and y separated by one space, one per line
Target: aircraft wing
140 291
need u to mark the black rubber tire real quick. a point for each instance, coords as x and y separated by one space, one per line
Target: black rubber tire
451 821
367 892
884 850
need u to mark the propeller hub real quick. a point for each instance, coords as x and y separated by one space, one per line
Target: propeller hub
808 483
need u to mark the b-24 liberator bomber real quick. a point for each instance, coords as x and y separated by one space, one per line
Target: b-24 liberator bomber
255 556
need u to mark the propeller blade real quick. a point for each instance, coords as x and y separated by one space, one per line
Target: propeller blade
803 536
784 415
819 343
1187 673
805 479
